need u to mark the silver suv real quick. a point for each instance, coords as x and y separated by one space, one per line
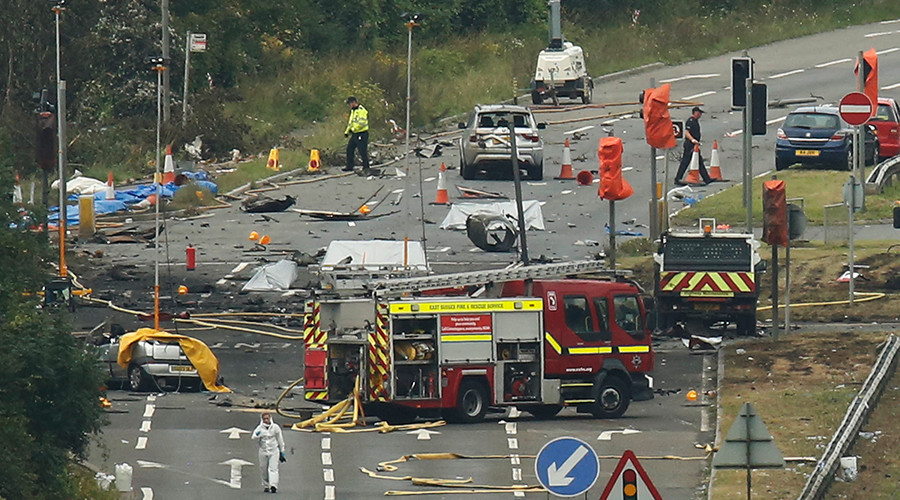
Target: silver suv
154 365
485 146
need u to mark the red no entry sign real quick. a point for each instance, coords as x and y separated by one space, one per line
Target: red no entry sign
855 108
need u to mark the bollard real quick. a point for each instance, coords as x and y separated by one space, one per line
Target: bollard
87 223
191 254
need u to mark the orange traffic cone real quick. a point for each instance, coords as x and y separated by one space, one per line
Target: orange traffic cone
273 163
314 162
442 198
565 171
584 178
169 167
715 169
693 175
110 187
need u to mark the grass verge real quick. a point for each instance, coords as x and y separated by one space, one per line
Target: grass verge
801 386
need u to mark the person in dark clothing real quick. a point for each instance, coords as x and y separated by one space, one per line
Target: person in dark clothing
691 139
358 132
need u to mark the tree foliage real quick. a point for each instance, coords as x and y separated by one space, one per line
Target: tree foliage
49 383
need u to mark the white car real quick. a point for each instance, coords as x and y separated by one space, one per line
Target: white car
485 145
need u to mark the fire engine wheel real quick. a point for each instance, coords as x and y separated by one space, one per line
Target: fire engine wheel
545 411
471 403
611 398
536 97
138 379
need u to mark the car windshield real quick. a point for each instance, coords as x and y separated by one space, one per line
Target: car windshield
812 121
884 114
491 120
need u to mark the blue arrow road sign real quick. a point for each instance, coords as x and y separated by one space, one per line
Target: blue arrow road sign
567 466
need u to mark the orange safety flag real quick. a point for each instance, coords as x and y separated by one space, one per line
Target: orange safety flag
657 121
197 352
870 77
775 231
612 185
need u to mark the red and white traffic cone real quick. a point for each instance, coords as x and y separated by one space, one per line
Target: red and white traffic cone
715 169
442 197
565 172
693 175
110 187
169 169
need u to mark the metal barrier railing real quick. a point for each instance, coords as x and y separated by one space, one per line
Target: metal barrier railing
835 223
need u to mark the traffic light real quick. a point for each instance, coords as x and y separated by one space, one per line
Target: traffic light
775 231
870 77
896 216
758 109
612 185
45 150
657 121
629 484
741 69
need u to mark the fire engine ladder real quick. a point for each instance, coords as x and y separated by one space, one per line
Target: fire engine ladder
399 286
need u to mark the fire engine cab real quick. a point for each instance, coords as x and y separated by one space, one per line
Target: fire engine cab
537 344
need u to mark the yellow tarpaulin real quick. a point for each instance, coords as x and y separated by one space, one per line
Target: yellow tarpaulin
197 352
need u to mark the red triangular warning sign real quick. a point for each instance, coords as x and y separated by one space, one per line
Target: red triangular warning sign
629 481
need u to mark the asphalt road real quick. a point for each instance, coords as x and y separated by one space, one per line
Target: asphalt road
183 454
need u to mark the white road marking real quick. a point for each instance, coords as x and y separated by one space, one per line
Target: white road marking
689 77
577 130
254 345
891 87
145 426
832 63
517 474
141 443
607 435
610 122
236 464
428 179
326 443
887 51
329 492
149 410
146 464
328 475
326 458
880 33
217 345
695 96
890 21
151 398
786 73
515 460
234 432
147 493
510 427
735 133
704 411
513 443
222 281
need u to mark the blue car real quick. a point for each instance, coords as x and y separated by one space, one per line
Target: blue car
816 135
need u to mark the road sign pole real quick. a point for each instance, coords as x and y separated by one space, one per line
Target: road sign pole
187 73
851 208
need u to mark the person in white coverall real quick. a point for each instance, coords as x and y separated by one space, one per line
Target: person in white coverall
271 451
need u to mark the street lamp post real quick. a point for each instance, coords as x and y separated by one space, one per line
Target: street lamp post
58 8
412 20
160 68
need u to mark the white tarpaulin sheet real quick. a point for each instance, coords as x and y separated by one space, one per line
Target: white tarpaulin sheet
459 212
374 255
273 277
81 185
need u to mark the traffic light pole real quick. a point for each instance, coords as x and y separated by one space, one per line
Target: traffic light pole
61 141
748 147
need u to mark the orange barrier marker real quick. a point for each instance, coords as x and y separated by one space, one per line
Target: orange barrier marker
584 178
565 171
272 163
715 169
168 167
693 175
442 197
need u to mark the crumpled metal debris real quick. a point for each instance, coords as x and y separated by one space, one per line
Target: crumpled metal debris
491 233
266 204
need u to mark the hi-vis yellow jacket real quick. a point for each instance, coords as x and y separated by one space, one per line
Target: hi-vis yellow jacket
359 120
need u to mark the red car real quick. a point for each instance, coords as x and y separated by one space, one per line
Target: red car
887 123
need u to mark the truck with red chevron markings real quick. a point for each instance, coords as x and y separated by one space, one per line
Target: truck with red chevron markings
706 277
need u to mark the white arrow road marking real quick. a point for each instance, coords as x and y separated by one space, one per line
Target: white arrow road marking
147 493
145 426
423 434
559 476
234 432
254 345
141 443
235 464
607 435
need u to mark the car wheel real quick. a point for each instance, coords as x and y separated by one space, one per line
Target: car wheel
781 164
138 379
471 402
611 398
536 97
588 95
466 171
876 154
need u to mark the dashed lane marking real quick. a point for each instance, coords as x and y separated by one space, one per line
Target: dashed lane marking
696 96
786 73
149 410
141 443
832 63
145 426
689 77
